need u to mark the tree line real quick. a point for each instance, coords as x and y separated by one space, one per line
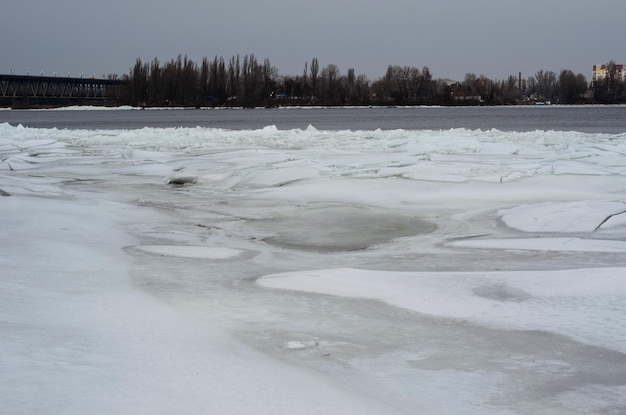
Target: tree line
248 82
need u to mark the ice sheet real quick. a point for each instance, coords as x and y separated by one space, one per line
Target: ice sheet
565 301
202 270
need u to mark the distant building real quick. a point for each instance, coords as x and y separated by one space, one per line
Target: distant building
602 71
460 92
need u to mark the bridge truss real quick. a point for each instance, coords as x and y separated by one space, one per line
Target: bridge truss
28 91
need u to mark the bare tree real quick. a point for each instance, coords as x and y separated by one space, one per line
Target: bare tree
270 74
330 91
314 73
572 87
305 84
139 83
546 84
204 79
404 82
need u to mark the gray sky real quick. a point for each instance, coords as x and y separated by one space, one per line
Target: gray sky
496 38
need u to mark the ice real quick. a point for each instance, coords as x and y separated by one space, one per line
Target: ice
578 216
203 270
187 251
563 301
78 337
545 244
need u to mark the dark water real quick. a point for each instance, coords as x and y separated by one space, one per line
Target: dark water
590 119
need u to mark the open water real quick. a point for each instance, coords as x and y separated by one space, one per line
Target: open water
589 119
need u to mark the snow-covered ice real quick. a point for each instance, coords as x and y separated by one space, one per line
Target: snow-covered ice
200 270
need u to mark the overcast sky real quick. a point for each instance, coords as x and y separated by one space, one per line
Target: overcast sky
496 38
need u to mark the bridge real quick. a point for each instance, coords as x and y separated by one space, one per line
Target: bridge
19 91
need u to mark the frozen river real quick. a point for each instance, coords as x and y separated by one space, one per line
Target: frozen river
418 261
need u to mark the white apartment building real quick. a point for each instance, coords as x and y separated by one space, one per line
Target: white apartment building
602 71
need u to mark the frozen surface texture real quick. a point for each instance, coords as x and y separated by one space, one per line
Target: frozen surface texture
199 270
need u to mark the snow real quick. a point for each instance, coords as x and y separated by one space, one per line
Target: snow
579 216
563 301
203 270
